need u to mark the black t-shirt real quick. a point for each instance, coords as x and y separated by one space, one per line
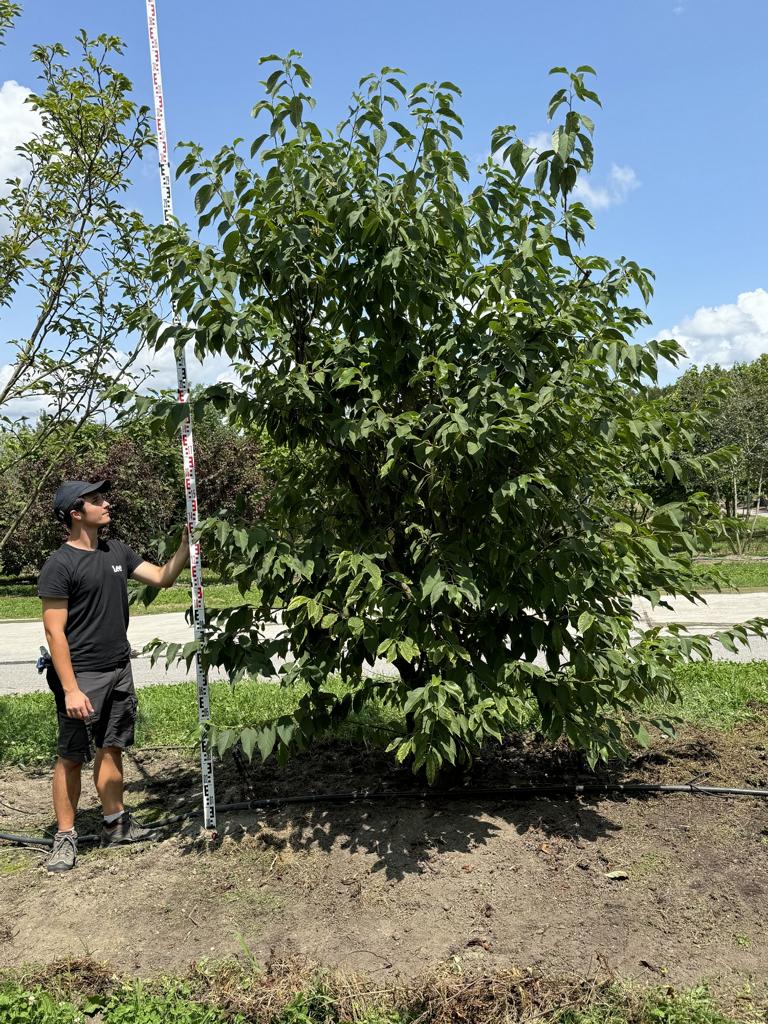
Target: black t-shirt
95 583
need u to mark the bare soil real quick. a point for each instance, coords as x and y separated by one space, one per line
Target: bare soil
397 888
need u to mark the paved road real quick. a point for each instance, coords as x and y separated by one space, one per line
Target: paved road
20 644
19 641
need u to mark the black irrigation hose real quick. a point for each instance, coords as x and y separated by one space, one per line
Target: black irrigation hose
500 792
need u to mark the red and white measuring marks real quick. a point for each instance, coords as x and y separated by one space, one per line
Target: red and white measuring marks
187 447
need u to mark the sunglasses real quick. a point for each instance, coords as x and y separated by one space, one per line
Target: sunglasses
96 499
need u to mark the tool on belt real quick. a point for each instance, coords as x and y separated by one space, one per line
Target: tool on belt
45 660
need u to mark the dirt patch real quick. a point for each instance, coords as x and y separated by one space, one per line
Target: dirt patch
669 889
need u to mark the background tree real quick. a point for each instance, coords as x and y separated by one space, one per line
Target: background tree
735 402
475 410
147 476
68 237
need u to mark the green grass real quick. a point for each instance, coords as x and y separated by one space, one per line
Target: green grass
321 1001
20 600
717 695
168 716
721 694
737 575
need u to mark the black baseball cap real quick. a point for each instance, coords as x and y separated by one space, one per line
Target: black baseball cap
71 490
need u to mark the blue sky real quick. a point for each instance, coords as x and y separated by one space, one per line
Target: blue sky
681 144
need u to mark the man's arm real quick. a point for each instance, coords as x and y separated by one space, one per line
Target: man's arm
55 612
164 575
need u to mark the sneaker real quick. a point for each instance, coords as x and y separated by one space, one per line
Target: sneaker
64 853
124 831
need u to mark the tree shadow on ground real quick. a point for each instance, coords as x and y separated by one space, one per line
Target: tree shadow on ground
403 835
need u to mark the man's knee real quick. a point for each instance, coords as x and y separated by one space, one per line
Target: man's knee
66 764
114 753
110 757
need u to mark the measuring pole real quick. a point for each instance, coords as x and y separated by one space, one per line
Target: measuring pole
187 447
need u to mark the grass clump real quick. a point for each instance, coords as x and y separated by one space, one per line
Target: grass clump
19 1005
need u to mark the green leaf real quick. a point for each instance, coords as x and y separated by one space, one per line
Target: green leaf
225 739
248 739
414 697
585 621
266 737
296 110
285 731
393 258
203 197
407 649
231 243
355 625
540 174
640 733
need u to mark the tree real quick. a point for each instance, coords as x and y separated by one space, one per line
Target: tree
475 409
68 237
146 473
736 404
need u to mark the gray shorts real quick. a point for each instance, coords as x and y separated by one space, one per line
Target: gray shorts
113 697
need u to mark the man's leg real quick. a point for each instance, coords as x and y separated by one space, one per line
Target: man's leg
108 779
118 728
66 792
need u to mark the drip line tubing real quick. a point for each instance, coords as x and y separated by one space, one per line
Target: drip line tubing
572 789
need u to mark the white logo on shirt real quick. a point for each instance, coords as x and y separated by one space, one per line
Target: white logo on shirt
117 568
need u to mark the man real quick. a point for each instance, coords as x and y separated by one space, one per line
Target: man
83 587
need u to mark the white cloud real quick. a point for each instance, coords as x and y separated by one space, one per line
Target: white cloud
20 408
212 370
735 332
161 367
18 123
540 141
621 181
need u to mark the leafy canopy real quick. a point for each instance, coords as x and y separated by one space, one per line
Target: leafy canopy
476 412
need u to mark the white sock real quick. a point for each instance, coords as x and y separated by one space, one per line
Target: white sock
109 819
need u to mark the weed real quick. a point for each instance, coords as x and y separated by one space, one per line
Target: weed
134 1004
34 1006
